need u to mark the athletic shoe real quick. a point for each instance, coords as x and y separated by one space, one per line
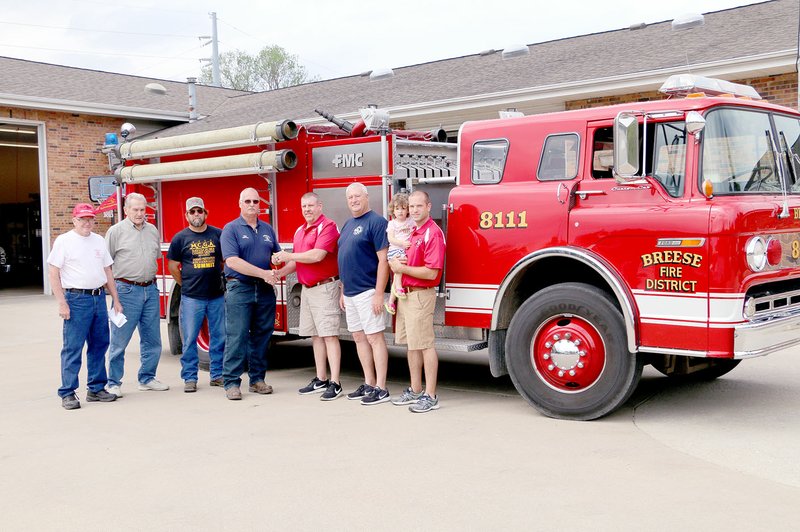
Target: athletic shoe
426 403
408 397
377 396
260 387
233 393
190 387
102 396
333 391
154 385
215 382
315 386
360 392
115 389
70 402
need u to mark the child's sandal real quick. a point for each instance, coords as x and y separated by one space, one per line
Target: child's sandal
390 308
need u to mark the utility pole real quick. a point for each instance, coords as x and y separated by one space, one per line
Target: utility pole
214 59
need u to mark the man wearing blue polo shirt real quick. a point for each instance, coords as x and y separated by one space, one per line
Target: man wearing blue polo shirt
247 247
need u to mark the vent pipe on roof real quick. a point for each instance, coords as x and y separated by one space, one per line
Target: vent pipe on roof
637 26
191 84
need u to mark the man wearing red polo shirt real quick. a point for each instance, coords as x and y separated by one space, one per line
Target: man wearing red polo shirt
314 257
422 271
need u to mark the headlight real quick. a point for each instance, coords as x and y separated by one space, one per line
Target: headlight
756 250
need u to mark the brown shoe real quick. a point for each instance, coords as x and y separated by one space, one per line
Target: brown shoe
215 382
234 393
190 387
261 387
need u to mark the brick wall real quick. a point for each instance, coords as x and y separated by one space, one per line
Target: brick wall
780 89
73 154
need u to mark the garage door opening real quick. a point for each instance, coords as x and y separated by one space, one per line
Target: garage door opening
20 209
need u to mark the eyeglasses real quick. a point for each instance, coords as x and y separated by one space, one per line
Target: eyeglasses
251 201
197 211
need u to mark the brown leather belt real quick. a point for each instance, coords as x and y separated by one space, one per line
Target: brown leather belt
134 283
86 291
324 281
416 288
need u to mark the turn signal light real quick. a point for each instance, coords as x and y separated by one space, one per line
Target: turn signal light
774 251
708 189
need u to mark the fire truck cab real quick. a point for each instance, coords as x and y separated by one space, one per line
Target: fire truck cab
581 245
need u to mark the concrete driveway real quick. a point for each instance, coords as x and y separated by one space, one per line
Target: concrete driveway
713 456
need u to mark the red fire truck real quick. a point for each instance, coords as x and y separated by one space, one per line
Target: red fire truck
581 245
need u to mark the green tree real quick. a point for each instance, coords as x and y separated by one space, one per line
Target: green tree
272 68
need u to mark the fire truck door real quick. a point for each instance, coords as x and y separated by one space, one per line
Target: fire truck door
490 228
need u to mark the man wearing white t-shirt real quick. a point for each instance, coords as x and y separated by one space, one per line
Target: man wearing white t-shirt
79 266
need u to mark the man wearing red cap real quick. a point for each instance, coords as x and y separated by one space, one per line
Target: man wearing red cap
79 267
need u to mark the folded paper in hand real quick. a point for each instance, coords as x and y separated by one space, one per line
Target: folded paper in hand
117 319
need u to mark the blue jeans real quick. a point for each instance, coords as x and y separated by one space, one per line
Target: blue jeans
87 324
140 305
192 313
249 322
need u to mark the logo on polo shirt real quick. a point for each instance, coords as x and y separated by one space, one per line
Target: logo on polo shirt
357 230
245 237
267 238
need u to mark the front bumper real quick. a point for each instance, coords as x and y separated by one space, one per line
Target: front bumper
765 336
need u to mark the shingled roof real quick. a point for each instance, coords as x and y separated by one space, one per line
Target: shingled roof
30 84
747 41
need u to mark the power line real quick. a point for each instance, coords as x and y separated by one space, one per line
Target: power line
68 28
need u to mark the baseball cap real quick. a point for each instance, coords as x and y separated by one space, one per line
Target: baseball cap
191 203
83 210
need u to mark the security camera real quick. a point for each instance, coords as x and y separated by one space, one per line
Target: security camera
127 129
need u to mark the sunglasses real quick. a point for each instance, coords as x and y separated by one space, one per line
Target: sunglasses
251 201
197 211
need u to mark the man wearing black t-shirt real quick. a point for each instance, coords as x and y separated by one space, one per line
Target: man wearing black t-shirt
195 262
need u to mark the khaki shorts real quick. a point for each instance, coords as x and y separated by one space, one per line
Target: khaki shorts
414 324
360 317
319 310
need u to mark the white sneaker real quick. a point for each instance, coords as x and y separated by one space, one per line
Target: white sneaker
154 385
116 390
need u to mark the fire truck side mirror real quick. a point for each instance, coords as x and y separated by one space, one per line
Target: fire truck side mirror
695 123
626 145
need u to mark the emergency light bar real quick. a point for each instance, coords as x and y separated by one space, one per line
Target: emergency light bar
247 164
686 84
233 137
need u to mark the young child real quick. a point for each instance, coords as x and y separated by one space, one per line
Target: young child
399 232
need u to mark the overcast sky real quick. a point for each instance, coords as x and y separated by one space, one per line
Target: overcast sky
333 38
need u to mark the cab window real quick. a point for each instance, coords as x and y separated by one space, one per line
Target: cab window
489 161
559 161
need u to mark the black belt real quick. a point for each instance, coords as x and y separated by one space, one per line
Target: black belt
324 281
134 283
86 291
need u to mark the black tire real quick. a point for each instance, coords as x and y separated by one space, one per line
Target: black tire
174 327
693 368
567 354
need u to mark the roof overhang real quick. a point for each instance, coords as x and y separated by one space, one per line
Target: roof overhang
99 109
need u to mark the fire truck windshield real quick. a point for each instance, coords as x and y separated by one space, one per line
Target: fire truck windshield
739 148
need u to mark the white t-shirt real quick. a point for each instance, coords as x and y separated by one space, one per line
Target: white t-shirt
81 259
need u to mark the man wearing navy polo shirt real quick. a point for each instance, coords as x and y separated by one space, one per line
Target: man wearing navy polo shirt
247 247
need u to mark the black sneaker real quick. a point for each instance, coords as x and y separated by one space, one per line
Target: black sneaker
70 402
102 396
315 386
377 396
360 392
334 390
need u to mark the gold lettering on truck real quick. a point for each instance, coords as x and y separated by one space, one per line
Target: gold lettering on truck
668 270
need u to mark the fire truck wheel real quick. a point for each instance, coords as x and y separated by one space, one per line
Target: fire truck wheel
693 368
175 342
567 354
